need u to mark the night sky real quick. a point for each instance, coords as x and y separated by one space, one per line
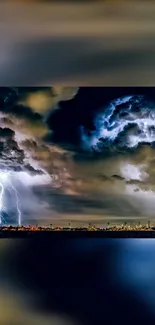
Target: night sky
77 155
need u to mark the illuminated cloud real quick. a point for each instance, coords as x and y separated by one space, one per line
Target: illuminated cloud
45 100
125 123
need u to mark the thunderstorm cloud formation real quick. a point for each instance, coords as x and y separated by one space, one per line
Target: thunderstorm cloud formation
70 154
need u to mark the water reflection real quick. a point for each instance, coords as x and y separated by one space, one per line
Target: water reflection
78 281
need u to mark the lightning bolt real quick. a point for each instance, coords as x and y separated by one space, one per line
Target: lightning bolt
1 201
5 181
17 204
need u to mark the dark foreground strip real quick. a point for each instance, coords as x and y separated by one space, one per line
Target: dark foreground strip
77 234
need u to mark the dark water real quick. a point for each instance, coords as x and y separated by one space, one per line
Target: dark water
77 281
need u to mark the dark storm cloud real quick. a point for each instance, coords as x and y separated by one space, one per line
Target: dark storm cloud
90 200
23 112
19 116
6 134
52 159
11 156
118 177
113 206
32 171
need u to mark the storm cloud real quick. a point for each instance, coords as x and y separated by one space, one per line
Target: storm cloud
87 153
